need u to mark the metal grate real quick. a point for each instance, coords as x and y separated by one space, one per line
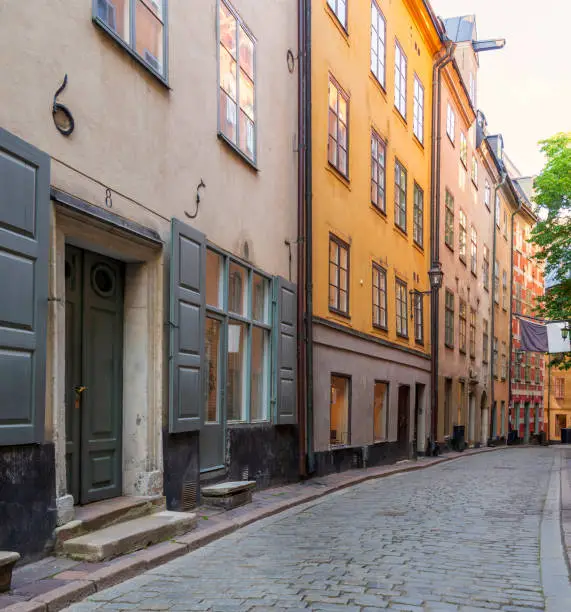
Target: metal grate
189 495
246 473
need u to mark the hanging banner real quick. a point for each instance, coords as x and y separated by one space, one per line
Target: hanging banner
542 337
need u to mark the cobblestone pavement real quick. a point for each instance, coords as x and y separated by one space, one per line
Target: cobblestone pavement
462 536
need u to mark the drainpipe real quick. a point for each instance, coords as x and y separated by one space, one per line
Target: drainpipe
497 187
301 386
439 64
514 213
549 403
308 168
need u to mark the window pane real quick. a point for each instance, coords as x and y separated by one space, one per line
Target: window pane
213 365
332 97
247 135
115 14
149 36
214 267
260 299
247 95
246 54
227 116
227 73
237 289
380 411
227 29
259 382
156 6
339 432
237 365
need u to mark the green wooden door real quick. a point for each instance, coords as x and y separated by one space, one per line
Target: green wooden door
94 355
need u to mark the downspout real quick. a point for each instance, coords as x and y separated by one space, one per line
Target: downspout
439 64
510 393
549 402
504 176
308 236
301 386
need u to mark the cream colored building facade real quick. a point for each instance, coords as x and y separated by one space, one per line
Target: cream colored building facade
180 112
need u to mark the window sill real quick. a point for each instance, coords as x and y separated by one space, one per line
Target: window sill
234 149
381 213
449 346
451 248
401 232
475 184
451 140
419 342
397 112
465 164
462 260
418 246
378 84
342 29
474 274
339 313
402 336
118 40
338 175
380 328
419 143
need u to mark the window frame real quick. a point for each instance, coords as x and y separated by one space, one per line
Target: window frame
486 268
397 88
473 251
449 308
224 315
462 236
130 47
559 387
379 272
487 194
341 244
401 289
383 82
379 142
462 322
418 110
385 415
240 24
495 357
472 333
400 210
349 382
485 341
334 10
497 205
504 290
496 282
450 123
474 174
341 93
418 216
449 220
464 150
418 315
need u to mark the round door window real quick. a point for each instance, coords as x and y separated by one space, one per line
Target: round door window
103 280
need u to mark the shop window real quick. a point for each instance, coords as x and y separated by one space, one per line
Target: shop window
340 426
380 411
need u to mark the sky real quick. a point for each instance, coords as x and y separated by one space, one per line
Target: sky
524 89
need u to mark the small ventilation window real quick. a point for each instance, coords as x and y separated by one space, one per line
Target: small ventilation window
103 280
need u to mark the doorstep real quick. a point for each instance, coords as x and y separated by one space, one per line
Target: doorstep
54 583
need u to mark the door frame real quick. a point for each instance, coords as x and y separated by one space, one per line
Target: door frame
144 355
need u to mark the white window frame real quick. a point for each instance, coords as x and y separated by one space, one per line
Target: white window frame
450 122
378 43
418 110
336 6
401 67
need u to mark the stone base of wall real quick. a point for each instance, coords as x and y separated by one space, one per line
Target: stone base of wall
356 457
28 510
181 472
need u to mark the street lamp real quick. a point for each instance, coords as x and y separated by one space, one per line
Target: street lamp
436 275
565 331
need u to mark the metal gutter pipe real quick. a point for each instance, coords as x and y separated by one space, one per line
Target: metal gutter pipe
439 64
498 185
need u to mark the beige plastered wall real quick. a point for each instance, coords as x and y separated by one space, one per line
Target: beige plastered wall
151 145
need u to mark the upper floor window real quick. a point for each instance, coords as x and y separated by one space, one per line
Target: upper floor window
487 194
474 170
485 341
463 150
378 171
339 7
449 221
497 214
379 297
462 235
559 385
472 333
378 48
338 275
338 128
496 288
504 290
237 119
418 110
400 80
486 268
418 216
449 319
139 25
400 196
450 122
462 327
473 251
401 309
505 224
418 318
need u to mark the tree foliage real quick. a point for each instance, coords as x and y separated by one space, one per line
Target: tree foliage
552 234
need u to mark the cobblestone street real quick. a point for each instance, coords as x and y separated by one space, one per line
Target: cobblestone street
461 536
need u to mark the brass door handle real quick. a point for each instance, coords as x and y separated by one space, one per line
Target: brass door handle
79 389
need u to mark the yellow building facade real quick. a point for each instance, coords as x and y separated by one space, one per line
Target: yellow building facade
557 401
372 66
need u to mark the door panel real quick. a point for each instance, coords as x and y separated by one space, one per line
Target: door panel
403 417
73 378
102 355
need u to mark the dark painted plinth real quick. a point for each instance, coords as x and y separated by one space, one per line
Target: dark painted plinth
181 471
27 499
355 457
267 454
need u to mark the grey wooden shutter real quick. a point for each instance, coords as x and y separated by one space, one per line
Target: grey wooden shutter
286 353
24 252
187 311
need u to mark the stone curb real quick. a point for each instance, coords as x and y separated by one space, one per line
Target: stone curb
143 560
565 510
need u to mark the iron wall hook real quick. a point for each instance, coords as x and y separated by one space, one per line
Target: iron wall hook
61 109
201 185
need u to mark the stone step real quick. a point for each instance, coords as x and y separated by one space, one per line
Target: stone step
106 513
129 536
228 495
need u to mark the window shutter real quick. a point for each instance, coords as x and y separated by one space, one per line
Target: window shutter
187 311
286 353
24 252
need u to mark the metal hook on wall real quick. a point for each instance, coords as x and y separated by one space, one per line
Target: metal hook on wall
108 200
201 185
63 119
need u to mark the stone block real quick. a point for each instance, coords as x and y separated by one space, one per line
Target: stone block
228 495
7 562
